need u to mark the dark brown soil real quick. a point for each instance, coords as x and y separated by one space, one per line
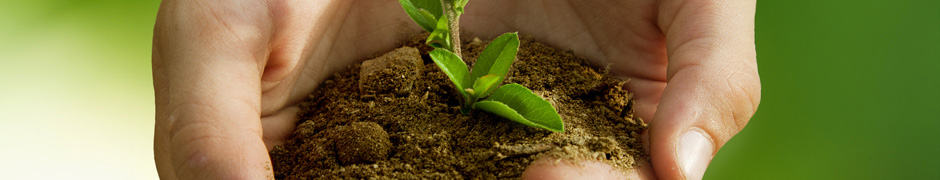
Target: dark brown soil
399 118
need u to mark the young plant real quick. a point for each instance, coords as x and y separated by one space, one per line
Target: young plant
480 88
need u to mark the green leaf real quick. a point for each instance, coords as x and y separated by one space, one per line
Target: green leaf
485 85
497 57
424 12
440 37
455 69
518 103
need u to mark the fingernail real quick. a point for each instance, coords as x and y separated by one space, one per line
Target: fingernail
695 152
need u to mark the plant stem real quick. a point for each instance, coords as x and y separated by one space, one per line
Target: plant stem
453 18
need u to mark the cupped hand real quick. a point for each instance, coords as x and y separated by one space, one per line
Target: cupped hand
229 74
692 65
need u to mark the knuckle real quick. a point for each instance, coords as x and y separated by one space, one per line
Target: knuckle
189 129
742 97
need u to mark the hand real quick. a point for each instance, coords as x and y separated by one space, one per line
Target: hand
226 69
692 65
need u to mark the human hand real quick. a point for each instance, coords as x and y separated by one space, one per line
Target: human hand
224 70
229 74
692 65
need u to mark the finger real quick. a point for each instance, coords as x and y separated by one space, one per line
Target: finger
207 60
548 168
713 86
279 127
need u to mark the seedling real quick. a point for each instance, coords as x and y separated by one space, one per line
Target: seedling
480 87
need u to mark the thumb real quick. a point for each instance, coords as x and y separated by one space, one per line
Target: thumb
207 84
713 86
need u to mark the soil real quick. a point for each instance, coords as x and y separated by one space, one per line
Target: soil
398 117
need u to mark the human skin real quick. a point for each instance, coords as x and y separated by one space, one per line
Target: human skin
229 74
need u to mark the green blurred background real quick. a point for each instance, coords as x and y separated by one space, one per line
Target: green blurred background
850 91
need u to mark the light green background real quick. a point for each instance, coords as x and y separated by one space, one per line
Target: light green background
850 91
